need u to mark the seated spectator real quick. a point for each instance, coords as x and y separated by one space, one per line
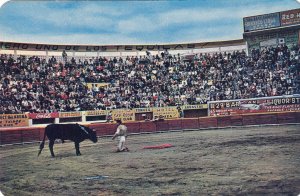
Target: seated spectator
31 84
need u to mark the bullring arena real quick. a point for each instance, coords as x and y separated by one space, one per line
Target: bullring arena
233 161
209 118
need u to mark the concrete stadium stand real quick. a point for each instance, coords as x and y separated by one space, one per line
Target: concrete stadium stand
22 135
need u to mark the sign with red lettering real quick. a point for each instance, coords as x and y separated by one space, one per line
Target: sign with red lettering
123 115
290 17
255 105
43 115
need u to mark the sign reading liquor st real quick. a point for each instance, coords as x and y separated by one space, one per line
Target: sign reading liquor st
255 105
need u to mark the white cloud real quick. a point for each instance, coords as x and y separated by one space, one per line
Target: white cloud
193 15
94 8
199 34
2 2
206 15
78 20
90 15
138 24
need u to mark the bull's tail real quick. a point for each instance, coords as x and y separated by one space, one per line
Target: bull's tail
43 143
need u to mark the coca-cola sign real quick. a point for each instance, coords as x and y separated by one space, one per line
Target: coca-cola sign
43 115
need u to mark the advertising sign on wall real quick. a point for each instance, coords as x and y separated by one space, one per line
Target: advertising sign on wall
260 40
142 110
166 113
43 115
195 107
256 105
265 21
13 120
123 115
69 114
96 113
115 48
290 17
270 42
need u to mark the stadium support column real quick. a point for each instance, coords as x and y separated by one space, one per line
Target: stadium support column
15 54
30 122
247 48
83 117
47 56
56 121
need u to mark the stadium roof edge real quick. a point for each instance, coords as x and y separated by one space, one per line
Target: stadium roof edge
67 44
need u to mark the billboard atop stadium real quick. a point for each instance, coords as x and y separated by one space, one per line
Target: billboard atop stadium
260 22
290 17
272 20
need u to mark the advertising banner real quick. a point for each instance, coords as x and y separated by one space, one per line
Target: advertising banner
43 115
142 110
270 42
69 114
166 113
195 107
256 105
290 17
123 115
266 39
14 120
115 48
96 113
265 21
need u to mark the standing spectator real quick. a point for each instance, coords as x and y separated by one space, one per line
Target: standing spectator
64 56
109 116
180 112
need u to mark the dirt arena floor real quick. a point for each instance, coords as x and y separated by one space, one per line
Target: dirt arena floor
238 161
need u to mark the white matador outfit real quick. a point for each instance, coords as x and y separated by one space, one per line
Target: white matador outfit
122 134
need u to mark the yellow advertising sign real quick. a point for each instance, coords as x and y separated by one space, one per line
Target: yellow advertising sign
14 120
123 115
170 112
69 114
96 113
142 110
195 107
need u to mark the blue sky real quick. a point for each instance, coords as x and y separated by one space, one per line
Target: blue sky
130 22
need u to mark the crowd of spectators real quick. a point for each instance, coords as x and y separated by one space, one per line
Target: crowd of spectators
32 84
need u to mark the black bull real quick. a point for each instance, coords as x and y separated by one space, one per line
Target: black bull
73 132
